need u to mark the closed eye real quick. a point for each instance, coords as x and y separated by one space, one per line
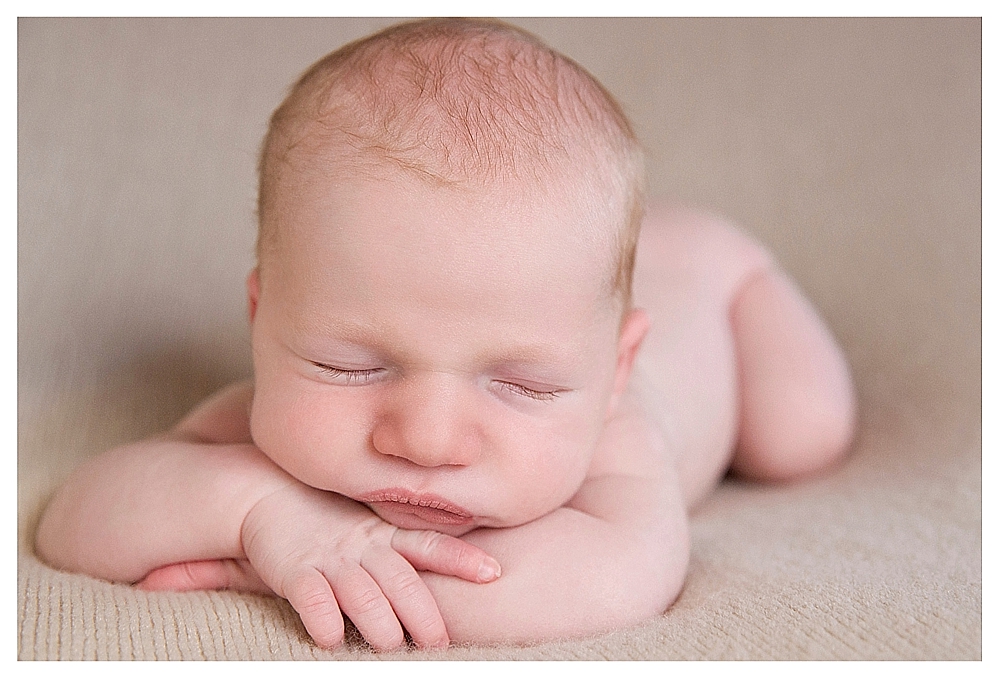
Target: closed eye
349 377
522 390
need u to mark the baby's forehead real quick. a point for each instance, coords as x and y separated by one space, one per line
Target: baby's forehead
550 229
469 106
534 204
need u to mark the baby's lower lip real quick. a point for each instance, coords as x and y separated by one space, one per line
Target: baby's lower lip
425 507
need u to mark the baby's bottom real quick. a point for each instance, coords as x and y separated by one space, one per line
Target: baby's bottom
738 369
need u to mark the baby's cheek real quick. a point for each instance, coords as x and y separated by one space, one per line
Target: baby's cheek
325 438
553 473
271 428
294 431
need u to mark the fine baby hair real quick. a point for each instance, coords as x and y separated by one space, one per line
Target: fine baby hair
467 103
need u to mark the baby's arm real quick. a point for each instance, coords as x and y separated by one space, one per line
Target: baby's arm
614 556
187 497
157 501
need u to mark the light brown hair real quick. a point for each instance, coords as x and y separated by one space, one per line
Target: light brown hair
461 101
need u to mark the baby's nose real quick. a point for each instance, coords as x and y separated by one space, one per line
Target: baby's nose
428 423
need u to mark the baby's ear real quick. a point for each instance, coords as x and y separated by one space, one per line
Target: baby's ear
634 329
253 292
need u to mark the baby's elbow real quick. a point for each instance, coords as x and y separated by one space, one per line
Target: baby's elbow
69 533
658 599
667 584
44 540
648 584
52 542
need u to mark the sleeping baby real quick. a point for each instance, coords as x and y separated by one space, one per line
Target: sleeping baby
483 400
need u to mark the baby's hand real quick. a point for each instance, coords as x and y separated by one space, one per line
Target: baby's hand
328 555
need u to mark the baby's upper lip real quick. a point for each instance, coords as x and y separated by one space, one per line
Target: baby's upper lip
424 499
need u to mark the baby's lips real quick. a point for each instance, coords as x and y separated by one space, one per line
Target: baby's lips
489 570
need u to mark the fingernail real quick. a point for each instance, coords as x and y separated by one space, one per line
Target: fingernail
489 570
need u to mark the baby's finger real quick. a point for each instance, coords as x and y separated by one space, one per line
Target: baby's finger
311 596
365 604
410 598
435 552
203 575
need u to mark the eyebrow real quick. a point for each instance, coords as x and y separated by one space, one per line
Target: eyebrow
535 354
356 334
553 364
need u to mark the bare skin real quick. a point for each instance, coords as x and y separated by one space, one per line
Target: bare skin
736 370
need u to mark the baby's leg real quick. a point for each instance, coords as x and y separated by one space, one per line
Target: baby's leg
736 359
797 406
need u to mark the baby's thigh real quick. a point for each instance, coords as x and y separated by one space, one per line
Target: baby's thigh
688 269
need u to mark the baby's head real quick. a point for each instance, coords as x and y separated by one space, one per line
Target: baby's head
470 104
448 217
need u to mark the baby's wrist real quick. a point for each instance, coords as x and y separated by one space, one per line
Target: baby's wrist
238 477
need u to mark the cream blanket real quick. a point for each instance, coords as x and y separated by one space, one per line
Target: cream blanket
851 147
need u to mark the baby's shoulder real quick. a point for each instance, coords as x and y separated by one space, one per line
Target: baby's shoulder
631 443
222 418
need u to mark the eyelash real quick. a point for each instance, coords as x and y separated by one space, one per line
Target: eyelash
355 377
528 392
352 376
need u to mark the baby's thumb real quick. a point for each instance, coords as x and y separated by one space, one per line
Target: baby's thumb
435 552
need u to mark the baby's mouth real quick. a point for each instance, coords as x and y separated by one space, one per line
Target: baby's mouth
399 507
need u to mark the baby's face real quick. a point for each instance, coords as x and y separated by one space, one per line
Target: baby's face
445 356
